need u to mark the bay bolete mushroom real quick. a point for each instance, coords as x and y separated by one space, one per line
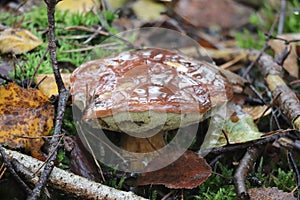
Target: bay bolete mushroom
144 93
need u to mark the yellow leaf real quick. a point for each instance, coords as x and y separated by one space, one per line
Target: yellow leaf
48 85
24 113
148 9
18 41
77 6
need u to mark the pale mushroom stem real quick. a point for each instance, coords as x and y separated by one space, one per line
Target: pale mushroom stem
143 145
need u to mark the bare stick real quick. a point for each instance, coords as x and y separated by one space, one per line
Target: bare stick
52 45
266 46
244 167
281 17
70 183
12 171
62 102
287 99
37 67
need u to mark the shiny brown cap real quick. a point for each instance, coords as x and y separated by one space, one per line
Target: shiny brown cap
149 79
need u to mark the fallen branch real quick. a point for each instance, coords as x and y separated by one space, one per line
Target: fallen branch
244 167
10 168
286 98
62 102
68 182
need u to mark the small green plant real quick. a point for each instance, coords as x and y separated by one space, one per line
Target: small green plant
247 40
284 180
154 195
256 40
217 187
114 181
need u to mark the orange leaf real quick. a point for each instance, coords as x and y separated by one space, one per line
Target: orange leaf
189 171
24 113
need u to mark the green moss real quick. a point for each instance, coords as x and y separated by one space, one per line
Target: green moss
36 21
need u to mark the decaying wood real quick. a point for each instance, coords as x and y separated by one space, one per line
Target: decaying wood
10 168
69 182
286 98
244 167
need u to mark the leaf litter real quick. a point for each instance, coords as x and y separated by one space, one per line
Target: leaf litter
24 113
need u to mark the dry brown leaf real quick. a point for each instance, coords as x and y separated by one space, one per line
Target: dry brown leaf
77 6
48 86
291 62
18 41
256 111
189 171
211 13
269 194
24 113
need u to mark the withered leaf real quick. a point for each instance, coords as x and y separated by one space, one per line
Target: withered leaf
269 194
206 13
256 111
237 127
291 62
189 171
154 9
18 41
24 113
48 85
82 6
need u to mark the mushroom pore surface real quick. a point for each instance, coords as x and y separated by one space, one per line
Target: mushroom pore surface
148 89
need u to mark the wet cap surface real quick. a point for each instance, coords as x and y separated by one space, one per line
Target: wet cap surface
149 79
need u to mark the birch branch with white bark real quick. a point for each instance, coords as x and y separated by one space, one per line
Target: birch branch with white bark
69 182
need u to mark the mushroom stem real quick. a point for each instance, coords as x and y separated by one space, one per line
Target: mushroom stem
143 145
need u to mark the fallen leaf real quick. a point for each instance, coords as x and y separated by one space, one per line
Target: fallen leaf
24 113
81 161
206 13
291 62
114 5
77 6
239 128
18 41
189 171
256 111
153 9
48 85
269 194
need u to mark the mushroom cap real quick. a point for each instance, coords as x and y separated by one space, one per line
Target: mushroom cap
140 86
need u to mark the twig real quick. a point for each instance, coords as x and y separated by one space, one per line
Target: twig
70 183
37 67
287 99
244 167
100 32
281 17
12 171
63 97
52 45
295 167
268 138
266 46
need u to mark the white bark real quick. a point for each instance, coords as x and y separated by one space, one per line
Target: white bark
71 183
